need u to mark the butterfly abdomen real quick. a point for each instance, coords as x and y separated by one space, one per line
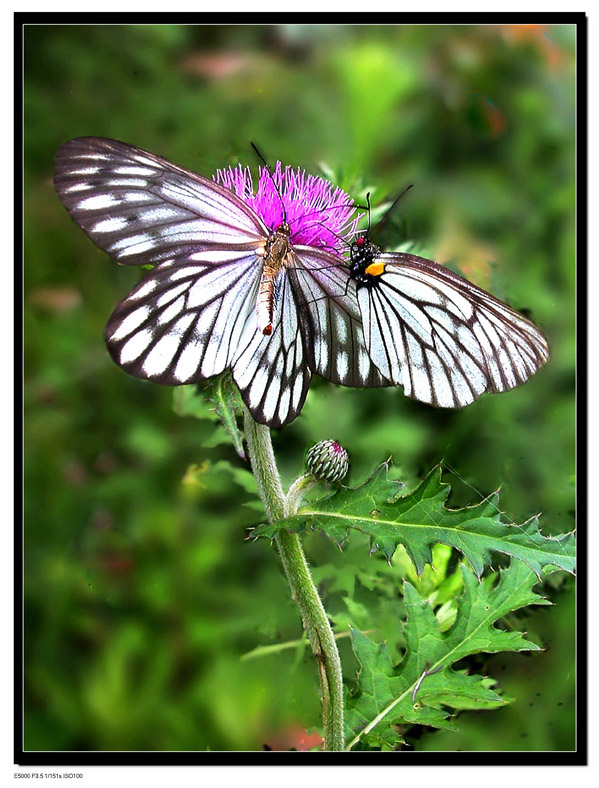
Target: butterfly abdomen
275 250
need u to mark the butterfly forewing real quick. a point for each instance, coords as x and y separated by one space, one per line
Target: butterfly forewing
142 209
443 339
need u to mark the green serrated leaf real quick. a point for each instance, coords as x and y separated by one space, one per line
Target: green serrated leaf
423 688
421 519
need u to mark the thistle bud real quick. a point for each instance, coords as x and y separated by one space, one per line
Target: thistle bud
327 461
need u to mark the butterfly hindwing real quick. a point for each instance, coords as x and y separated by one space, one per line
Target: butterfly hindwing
272 371
183 322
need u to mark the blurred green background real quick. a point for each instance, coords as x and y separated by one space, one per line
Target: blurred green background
141 592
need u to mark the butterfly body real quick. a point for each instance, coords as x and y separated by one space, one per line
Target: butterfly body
363 268
276 250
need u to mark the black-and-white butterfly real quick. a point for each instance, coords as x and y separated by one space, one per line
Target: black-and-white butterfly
226 292
443 339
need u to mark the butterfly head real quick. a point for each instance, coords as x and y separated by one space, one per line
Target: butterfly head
362 246
283 229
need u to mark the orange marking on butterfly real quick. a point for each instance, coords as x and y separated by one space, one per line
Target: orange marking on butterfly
376 269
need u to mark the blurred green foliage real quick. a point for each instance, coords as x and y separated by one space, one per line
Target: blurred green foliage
141 592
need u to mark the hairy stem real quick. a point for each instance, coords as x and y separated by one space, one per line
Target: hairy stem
303 590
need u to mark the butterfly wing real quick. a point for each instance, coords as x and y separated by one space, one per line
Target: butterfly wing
142 209
443 339
190 319
271 371
318 329
183 322
331 315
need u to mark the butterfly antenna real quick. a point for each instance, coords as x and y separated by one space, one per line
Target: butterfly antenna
383 221
368 204
338 237
259 155
265 163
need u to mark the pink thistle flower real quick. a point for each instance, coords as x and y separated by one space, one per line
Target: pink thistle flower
318 213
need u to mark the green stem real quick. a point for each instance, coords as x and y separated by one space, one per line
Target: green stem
316 624
297 491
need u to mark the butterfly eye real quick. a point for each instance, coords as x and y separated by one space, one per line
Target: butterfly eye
360 241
